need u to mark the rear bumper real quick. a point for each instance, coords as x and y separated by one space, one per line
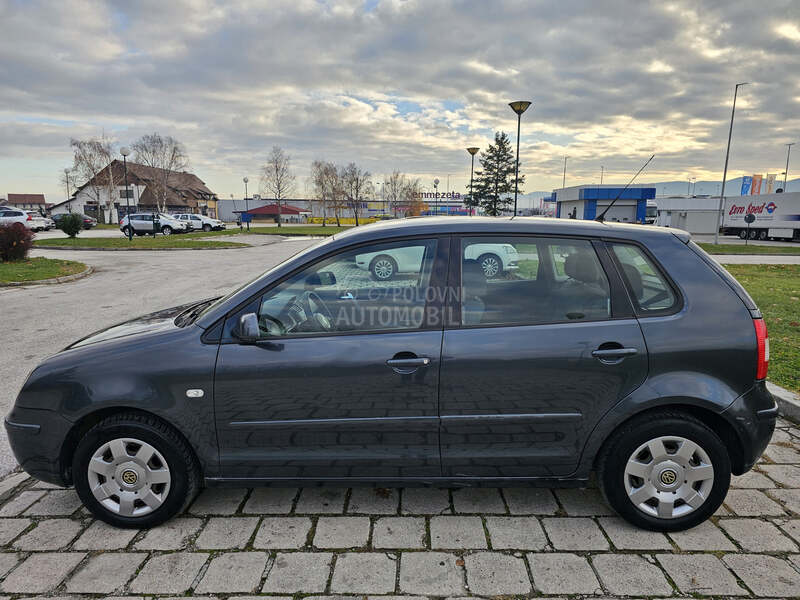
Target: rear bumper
753 416
36 438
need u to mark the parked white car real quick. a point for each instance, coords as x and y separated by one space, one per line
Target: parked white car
38 222
142 224
197 222
9 216
493 259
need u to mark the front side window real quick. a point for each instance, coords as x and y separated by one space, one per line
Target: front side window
650 291
528 280
379 287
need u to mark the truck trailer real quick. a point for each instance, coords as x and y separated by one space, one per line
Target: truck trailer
777 216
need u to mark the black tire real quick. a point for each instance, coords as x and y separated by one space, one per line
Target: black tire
181 460
743 234
166 230
383 267
630 436
126 231
753 234
491 264
206 227
762 235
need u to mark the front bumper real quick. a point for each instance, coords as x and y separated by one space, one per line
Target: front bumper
753 416
36 438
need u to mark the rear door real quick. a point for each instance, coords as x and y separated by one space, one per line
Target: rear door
533 356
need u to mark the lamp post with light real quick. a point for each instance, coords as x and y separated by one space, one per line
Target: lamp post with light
786 172
246 202
125 151
66 179
519 107
472 152
725 170
436 196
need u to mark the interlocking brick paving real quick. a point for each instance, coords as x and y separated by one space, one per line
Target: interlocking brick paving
405 544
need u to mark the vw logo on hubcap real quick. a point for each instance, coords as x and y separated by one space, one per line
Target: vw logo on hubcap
130 477
668 477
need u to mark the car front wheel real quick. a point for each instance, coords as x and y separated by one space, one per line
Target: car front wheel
491 265
206 227
134 471
383 267
166 230
665 472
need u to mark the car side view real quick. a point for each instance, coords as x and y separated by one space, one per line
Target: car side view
623 350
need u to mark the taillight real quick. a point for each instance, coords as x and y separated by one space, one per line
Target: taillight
762 341
29 218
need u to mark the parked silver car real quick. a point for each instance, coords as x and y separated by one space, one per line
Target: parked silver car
144 223
9 216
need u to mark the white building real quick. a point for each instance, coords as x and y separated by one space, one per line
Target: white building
695 215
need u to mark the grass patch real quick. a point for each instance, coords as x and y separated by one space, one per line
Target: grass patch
749 249
36 269
317 230
106 226
143 243
776 290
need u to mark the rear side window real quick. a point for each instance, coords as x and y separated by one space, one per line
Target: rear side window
650 290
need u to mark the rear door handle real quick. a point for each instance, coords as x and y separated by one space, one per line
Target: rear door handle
614 355
406 366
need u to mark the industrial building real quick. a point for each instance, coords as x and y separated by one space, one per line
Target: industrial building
695 215
587 202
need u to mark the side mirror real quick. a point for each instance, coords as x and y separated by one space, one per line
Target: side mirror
248 330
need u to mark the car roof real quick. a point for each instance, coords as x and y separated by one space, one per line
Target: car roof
520 225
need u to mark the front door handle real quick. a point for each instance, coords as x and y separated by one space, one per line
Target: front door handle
406 366
613 355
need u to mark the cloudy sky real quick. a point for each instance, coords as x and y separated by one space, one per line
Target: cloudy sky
402 84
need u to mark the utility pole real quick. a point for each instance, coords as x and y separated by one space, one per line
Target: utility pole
725 169
601 174
786 172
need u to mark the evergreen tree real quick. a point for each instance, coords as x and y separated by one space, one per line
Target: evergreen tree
493 184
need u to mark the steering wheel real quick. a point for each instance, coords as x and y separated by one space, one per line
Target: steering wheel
314 306
270 326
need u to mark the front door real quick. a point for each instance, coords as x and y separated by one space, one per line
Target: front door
344 380
537 355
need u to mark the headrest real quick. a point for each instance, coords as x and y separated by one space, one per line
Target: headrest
473 280
635 280
581 267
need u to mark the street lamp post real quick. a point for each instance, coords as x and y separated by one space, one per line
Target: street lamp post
246 202
436 196
785 173
564 178
725 169
472 151
125 151
602 170
66 179
519 107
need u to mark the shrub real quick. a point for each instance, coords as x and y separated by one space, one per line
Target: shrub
15 242
71 224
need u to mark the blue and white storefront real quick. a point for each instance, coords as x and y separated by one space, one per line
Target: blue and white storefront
586 202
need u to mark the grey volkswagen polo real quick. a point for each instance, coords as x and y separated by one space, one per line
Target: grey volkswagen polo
619 349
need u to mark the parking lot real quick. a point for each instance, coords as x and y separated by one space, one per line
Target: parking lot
412 542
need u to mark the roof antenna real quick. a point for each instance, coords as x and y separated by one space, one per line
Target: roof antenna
603 214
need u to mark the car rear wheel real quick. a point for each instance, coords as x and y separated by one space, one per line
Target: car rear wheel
491 265
127 231
132 470
665 472
166 230
383 267
206 227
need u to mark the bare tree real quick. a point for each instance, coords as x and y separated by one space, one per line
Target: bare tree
277 179
321 188
357 186
164 153
92 165
401 191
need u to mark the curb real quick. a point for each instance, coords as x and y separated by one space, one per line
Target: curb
788 402
85 249
52 281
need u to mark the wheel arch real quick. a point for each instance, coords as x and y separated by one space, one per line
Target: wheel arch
712 419
89 420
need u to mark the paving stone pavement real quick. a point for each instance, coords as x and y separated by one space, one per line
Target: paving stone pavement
407 544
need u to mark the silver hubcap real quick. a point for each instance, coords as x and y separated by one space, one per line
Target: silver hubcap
384 269
129 477
490 267
669 477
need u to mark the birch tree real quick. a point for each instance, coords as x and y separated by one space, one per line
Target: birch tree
277 179
92 165
166 154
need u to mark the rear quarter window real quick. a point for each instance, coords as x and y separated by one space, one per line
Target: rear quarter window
650 290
